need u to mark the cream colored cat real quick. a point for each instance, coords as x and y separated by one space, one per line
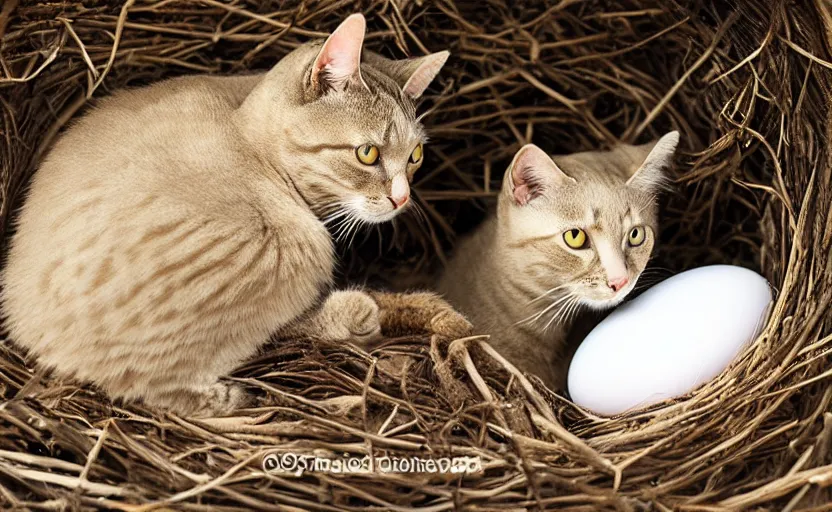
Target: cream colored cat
571 233
176 227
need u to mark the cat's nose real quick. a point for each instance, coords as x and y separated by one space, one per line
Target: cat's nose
399 191
398 202
617 283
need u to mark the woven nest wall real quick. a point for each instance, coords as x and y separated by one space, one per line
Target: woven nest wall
748 83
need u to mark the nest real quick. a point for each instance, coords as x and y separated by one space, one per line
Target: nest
748 83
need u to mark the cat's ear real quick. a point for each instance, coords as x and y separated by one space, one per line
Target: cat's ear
413 75
532 172
338 62
421 71
651 174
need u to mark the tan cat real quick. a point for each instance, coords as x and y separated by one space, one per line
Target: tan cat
571 233
176 227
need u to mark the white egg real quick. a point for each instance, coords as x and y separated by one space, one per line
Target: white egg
668 341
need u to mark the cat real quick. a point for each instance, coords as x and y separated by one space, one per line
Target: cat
570 232
175 228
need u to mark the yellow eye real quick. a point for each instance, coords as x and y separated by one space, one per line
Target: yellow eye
416 156
575 238
367 154
636 236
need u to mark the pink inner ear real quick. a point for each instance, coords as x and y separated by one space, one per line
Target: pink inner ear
525 165
340 56
337 66
532 172
424 74
522 194
420 81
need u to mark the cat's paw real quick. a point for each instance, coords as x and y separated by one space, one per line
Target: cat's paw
350 315
217 399
223 398
451 324
404 314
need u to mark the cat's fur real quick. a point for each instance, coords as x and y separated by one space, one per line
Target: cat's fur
174 228
517 279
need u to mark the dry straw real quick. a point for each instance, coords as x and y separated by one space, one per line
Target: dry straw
747 82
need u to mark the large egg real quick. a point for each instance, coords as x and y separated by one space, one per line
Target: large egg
674 337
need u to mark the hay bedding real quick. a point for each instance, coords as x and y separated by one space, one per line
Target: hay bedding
746 82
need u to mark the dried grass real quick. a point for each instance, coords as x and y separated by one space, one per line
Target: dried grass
747 82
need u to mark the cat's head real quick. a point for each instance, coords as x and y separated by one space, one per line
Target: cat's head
344 124
583 225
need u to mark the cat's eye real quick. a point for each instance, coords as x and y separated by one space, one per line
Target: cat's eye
367 154
575 238
416 156
636 236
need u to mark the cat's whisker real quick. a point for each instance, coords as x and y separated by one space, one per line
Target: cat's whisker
560 313
336 215
421 217
574 311
649 277
564 317
380 233
555 316
547 292
344 227
549 308
657 271
349 228
652 277
662 271
367 234
643 284
535 317
338 227
356 228
333 207
422 214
